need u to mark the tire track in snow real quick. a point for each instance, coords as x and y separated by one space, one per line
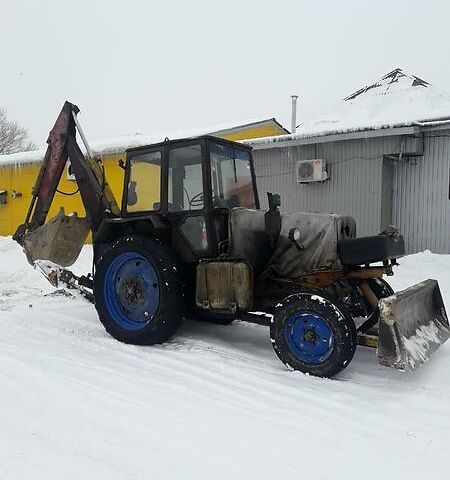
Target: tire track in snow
215 402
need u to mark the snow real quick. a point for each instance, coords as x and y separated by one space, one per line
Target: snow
214 402
418 345
389 102
396 100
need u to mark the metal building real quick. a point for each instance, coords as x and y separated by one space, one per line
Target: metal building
386 153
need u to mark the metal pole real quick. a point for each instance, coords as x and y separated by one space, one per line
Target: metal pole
294 113
80 131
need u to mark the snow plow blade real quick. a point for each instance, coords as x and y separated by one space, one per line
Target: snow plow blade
413 324
60 240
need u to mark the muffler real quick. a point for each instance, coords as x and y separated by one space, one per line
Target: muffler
60 240
413 324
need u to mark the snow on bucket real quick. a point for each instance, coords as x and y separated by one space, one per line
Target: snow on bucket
413 324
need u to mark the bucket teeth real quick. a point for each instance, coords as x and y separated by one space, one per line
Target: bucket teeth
413 325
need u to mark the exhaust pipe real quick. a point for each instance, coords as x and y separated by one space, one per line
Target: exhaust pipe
294 113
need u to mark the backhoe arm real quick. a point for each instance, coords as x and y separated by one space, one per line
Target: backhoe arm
59 240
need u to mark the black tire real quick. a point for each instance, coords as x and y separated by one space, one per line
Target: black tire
114 303
344 340
381 289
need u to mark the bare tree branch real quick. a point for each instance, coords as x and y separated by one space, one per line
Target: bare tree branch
13 137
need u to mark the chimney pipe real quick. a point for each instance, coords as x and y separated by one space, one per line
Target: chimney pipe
294 113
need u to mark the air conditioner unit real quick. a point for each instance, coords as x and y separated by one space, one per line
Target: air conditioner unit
311 171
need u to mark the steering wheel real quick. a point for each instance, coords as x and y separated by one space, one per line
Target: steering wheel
196 200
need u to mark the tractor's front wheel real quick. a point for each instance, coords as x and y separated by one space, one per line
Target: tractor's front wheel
138 291
313 334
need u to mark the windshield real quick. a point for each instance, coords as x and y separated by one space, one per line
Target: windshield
231 177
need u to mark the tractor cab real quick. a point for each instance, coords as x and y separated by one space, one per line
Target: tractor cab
192 184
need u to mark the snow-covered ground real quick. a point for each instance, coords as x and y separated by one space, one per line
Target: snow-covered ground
214 403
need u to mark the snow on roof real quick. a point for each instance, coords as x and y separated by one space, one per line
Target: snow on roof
397 99
120 144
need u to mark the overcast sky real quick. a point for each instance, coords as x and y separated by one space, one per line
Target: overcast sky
164 66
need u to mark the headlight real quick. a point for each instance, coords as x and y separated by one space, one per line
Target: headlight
294 235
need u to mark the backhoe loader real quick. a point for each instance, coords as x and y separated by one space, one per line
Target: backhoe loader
189 240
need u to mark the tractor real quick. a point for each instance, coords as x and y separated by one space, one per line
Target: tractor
189 240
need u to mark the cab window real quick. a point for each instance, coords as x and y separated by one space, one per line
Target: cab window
185 179
231 177
144 184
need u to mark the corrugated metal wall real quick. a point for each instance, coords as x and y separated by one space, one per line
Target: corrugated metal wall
354 186
421 193
420 204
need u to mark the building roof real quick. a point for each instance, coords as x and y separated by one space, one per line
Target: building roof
396 100
248 129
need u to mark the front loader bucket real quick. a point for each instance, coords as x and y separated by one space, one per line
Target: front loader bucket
413 324
60 240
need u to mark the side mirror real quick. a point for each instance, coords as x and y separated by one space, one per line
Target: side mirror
274 200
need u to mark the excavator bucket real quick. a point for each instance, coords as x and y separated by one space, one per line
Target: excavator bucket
413 324
60 240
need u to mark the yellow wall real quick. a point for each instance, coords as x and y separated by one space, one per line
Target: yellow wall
22 178
266 130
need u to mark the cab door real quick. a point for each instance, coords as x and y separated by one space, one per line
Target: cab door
187 197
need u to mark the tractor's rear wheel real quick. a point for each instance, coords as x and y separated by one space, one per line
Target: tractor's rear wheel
313 334
138 291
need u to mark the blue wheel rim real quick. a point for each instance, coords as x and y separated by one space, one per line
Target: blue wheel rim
309 337
131 291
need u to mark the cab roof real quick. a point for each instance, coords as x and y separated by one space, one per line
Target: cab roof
199 139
